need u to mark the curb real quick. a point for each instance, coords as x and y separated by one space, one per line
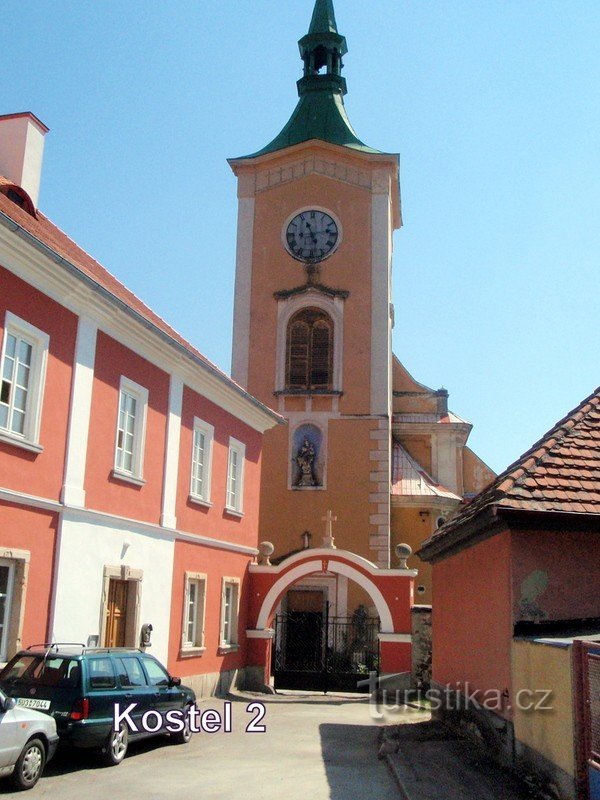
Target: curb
397 777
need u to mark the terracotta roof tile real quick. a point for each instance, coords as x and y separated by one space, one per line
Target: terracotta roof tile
560 473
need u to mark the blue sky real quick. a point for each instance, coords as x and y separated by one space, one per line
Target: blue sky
493 107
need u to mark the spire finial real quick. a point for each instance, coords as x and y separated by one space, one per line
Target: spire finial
321 50
323 18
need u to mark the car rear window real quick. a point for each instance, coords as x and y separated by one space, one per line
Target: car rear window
35 670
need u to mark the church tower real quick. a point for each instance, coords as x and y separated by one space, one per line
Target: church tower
312 339
312 319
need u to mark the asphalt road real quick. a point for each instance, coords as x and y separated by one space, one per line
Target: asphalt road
320 747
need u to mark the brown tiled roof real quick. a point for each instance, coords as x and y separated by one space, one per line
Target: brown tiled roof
560 473
48 234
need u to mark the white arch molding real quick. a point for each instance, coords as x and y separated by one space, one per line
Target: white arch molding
338 567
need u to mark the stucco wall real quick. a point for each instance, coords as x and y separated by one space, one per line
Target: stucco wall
536 667
86 547
472 619
552 579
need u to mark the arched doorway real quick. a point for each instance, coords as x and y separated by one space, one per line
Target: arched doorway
312 649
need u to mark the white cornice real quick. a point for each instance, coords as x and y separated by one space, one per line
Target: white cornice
423 501
88 514
37 264
22 499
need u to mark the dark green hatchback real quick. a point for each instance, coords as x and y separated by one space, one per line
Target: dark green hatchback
80 687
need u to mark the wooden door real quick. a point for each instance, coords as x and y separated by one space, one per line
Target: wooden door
116 613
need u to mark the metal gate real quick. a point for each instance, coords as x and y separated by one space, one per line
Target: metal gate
317 652
587 664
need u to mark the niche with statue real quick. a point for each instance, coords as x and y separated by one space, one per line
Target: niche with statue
307 461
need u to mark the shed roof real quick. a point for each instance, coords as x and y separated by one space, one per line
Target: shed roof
559 474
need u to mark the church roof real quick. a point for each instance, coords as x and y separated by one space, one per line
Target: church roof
447 418
323 18
43 232
559 474
409 479
320 112
318 115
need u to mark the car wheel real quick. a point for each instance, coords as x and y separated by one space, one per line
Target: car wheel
115 749
29 766
183 737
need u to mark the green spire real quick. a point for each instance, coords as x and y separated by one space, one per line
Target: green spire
320 113
323 18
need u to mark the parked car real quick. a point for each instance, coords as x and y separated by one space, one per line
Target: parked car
28 740
79 687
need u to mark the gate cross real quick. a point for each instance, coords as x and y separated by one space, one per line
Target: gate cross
329 519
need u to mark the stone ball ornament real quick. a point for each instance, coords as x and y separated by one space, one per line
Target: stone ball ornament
265 550
403 553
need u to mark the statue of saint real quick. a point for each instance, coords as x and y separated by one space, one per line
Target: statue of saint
305 459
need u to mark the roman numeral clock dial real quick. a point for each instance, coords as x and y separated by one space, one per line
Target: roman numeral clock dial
311 236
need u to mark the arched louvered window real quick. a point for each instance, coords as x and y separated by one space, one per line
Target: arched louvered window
309 350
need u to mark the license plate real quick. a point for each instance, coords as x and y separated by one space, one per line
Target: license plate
33 702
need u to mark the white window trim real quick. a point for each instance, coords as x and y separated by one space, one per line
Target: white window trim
240 448
40 343
139 437
209 434
4 562
286 309
196 648
233 644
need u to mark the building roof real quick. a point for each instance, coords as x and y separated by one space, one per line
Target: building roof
42 230
409 479
323 18
559 474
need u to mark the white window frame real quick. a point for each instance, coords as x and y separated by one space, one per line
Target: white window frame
139 433
205 428
230 641
195 646
40 343
237 506
5 562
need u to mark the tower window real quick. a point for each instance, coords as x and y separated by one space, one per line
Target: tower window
309 350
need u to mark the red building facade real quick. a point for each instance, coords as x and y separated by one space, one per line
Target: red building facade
129 464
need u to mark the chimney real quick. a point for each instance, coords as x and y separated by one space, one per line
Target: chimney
22 151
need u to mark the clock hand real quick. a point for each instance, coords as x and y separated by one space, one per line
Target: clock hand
312 233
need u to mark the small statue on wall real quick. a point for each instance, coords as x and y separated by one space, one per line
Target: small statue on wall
305 459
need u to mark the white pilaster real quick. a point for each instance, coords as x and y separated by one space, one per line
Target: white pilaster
73 492
243 290
381 258
169 500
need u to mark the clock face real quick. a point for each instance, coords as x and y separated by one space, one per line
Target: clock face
311 236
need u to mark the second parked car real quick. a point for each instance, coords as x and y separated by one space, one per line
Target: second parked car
27 741
79 687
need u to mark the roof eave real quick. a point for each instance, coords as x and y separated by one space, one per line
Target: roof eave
269 417
441 546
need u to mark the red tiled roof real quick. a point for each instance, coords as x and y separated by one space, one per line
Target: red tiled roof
46 232
560 473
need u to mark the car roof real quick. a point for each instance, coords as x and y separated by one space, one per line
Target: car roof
75 650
